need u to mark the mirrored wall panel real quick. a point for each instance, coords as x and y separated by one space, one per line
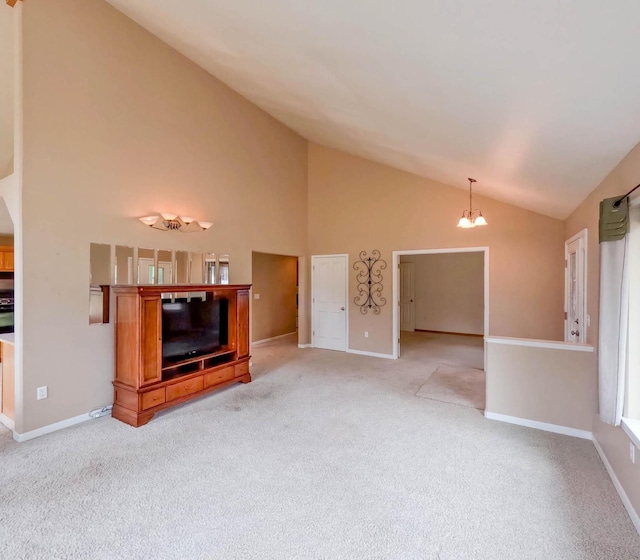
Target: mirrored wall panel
146 266
182 267
210 268
124 265
100 264
99 281
223 269
165 267
197 268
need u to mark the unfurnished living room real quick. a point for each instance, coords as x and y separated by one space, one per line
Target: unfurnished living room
320 279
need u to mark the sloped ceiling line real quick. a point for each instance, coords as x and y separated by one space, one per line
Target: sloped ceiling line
538 100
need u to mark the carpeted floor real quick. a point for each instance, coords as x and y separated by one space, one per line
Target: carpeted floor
461 386
324 456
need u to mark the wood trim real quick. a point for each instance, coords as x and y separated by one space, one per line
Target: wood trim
157 289
449 332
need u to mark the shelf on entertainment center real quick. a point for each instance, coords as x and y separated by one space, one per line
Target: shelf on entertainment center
220 352
184 367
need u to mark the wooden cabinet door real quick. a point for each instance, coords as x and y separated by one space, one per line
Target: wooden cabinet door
150 340
243 323
6 258
8 261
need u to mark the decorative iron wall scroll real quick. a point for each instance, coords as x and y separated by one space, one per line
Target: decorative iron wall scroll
369 280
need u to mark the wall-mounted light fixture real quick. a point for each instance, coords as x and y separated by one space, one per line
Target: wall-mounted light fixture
471 218
172 222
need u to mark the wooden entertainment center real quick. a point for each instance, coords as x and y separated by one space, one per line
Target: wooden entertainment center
143 384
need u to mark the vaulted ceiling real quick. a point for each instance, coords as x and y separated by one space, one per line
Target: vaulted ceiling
536 100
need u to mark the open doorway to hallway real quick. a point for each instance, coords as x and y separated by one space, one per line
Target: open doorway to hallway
274 307
440 318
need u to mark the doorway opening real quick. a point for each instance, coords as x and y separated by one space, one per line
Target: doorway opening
440 317
274 307
442 291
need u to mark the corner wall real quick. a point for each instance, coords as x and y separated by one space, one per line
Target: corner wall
118 125
613 441
357 205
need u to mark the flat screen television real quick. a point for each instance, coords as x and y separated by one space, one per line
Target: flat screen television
192 328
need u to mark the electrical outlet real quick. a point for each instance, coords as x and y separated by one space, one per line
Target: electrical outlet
632 452
366 334
256 296
42 393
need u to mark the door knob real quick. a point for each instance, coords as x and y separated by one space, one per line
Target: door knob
342 309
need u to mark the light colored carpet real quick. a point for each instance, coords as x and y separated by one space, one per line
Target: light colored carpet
324 456
442 349
461 386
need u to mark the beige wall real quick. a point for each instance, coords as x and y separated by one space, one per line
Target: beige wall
613 441
554 386
449 292
274 280
118 125
356 205
6 90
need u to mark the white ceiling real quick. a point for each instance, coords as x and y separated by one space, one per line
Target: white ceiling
536 100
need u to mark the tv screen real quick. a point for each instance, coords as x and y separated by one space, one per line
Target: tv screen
190 329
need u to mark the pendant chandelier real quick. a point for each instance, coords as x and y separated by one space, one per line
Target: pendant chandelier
471 218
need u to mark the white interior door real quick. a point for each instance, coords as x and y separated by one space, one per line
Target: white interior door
329 300
407 297
575 289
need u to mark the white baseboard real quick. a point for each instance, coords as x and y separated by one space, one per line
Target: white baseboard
51 428
372 354
265 340
7 422
633 514
555 428
305 346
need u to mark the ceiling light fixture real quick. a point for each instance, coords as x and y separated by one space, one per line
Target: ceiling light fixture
471 218
172 222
